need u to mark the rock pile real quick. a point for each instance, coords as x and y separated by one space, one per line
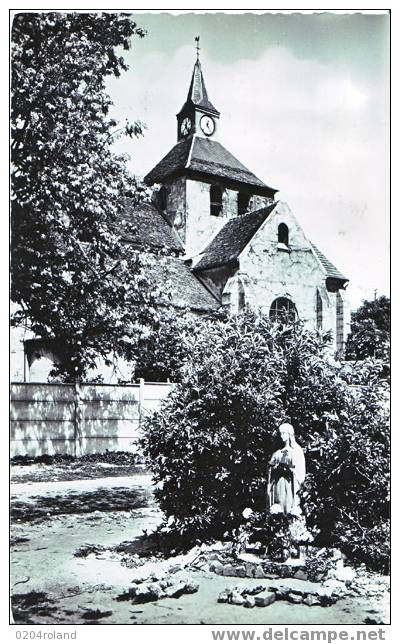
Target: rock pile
261 569
247 597
310 594
152 591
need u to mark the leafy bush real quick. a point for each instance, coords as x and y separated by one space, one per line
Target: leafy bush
346 491
163 352
212 439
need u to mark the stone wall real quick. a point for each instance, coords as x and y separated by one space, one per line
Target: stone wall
201 227
257 202
188 210
176 206
268 271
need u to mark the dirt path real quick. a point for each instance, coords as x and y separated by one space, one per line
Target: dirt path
52 520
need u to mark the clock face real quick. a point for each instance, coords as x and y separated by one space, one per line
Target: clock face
207 125
186 126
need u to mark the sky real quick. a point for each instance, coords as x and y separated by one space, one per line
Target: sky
304 102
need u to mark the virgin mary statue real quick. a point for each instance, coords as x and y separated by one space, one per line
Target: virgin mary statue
286 473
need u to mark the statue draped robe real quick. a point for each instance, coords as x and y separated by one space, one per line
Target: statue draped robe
286 474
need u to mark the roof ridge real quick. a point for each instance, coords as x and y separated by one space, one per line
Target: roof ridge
190 151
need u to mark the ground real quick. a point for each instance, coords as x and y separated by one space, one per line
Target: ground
78 540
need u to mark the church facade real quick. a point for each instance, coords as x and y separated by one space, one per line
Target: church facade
241 243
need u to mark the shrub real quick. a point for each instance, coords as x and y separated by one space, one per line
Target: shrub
212 439
167 347
346 491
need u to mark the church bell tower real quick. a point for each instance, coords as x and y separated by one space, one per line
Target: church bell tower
201 184
198 115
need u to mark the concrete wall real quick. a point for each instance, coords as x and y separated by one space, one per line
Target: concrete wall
76 420
42 362
268 271
18 363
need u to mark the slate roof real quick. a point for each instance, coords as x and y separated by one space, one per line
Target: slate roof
232 239
182 288
330 269
212 158
174 161
206 156
145 227
197 95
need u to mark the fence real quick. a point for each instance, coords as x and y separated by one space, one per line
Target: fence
79 419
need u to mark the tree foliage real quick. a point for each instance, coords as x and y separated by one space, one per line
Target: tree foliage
73 281
210 443
370 330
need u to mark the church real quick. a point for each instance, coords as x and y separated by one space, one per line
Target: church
218 236
237 245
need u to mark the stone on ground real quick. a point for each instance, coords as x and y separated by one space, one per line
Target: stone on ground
265 599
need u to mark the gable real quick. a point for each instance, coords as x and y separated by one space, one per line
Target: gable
282 215
266 237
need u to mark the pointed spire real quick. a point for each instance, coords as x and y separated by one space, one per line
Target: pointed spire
197 90
197 95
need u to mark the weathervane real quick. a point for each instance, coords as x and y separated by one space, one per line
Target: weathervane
197 39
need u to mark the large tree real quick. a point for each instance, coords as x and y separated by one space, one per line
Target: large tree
73 281
370 330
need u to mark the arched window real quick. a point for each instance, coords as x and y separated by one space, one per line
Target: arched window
282 309
319 311
241 297
339 323
215 201
283 234
243 203
162 197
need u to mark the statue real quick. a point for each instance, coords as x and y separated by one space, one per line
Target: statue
286 473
